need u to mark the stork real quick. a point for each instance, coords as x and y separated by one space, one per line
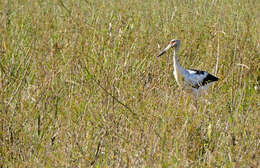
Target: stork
191 80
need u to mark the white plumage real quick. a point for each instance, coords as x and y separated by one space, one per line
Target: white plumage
190 80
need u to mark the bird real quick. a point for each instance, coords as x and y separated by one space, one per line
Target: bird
190 80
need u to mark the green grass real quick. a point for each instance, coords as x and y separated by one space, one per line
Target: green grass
80 84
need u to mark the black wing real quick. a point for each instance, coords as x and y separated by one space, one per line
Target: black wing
203 78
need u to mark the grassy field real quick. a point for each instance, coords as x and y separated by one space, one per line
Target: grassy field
80 84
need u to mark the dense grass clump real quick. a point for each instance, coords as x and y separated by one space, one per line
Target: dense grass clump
80 84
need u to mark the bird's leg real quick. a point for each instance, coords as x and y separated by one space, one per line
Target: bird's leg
206 96
193 105
207 102
195 101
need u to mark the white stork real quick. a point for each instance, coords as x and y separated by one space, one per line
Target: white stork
190 80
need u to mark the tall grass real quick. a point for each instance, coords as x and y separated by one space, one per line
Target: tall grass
81 86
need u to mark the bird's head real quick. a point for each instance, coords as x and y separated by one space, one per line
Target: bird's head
173 44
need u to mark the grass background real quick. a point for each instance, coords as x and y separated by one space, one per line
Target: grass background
81 86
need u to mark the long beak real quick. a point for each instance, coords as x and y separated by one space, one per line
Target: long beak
164 51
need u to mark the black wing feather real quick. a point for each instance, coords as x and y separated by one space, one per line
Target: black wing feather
197 71
208 79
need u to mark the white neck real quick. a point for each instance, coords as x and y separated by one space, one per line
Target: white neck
178 69
176 64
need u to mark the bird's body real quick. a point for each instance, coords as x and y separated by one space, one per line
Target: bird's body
191 80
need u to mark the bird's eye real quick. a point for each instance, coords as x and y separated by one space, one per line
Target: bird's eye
172 43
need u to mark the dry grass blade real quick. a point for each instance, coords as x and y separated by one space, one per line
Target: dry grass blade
93 78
